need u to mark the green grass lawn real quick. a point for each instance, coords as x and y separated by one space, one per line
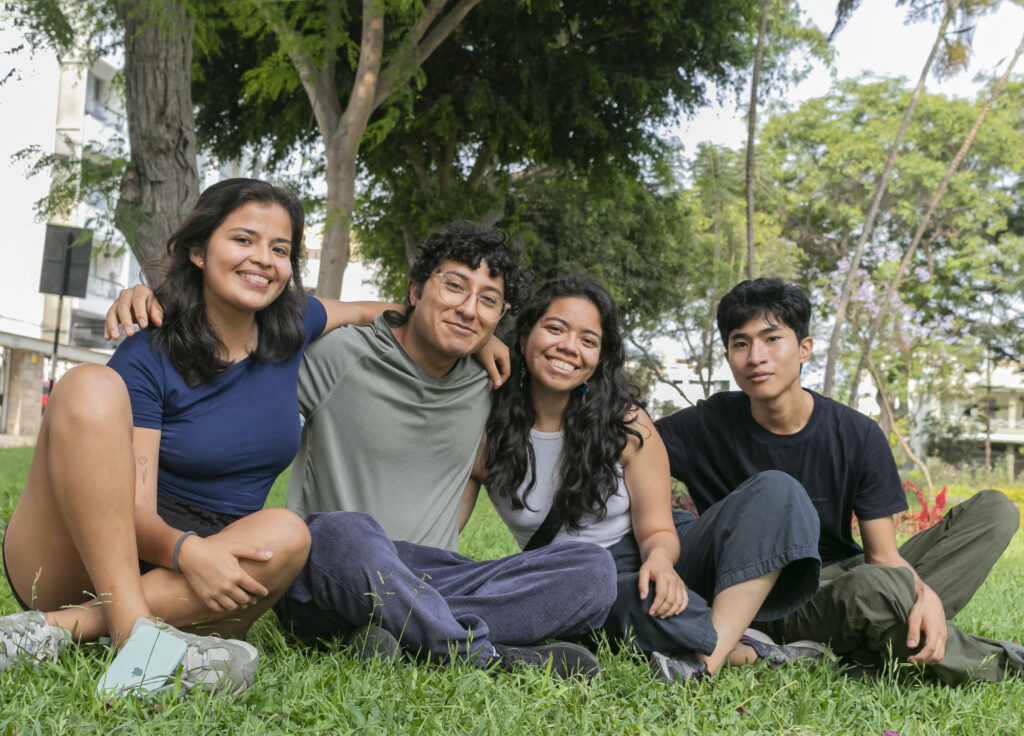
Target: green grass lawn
300 690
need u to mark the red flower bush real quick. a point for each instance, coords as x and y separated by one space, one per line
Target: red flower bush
911 522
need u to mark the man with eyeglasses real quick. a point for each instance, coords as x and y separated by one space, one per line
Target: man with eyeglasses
393 413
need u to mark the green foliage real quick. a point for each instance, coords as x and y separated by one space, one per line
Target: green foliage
84 28
945 439
791 46
712 255
94 176
822 159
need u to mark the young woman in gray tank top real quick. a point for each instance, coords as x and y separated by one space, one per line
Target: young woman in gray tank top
570 454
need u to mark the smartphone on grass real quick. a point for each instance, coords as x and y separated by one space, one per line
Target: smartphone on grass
145 663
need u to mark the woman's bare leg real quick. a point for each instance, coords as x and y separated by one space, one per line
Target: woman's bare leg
73 530
277 530
72 533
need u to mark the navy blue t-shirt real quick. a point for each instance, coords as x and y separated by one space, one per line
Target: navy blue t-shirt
223 442
841 458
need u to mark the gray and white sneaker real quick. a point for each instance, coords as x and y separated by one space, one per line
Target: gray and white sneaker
210 663
766 649
678 668
213 663
27 637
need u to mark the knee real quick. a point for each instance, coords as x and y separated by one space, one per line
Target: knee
88 395
342 524
290 539
350 539
872 590
1000 513
777 488
592 568
776 495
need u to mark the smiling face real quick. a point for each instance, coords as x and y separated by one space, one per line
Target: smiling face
437 333
765 357
246 262
563 348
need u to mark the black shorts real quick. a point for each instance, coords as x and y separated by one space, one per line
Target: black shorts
7 574
178 514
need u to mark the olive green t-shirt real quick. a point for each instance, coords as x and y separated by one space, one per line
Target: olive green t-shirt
384 437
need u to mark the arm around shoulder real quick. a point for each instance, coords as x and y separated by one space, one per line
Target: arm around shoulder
353 313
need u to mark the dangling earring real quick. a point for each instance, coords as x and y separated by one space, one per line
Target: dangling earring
583 394
522 376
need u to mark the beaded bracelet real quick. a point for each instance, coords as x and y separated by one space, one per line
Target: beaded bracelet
177 549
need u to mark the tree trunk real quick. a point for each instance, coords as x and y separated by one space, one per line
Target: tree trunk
850 281
751 130
933 204
884 400
371 87
161 183
342 147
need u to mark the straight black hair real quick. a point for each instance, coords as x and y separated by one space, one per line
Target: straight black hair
772 299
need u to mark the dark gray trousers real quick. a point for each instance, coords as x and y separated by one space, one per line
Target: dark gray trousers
767 523
439 602
861 606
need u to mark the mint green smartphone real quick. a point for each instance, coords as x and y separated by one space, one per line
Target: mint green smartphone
146 661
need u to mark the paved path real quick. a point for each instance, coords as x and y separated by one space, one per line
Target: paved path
15 440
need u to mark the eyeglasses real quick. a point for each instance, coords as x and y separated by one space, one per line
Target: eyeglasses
490 307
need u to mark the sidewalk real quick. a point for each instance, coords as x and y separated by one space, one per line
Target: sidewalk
14 440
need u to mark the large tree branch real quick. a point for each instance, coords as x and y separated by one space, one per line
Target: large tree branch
400 70
416 161
419 28
366 83
318 82
533 174
483 164
654 366
884 400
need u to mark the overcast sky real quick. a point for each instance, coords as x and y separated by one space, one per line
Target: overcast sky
876 39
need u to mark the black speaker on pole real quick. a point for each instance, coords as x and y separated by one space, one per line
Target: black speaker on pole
65 261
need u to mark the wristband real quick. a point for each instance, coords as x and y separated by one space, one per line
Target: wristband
177 549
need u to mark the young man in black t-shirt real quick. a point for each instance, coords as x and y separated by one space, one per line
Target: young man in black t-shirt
873 599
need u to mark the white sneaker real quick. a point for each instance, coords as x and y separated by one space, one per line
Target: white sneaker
27 637
213 663
208 662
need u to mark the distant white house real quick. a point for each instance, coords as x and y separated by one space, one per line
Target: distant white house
990 408
53 106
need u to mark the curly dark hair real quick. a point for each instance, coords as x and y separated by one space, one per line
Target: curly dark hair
469 243
186 336
595 431
772 299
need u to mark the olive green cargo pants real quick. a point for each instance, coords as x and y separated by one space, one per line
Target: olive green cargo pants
862 607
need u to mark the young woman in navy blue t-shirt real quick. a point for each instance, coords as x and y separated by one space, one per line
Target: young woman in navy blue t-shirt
163 459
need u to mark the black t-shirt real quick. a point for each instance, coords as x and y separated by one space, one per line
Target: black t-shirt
841 458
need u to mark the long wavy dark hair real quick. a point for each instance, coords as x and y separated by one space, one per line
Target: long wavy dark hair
186 336
595 430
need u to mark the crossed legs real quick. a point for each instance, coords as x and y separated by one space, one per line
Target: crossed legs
70 547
